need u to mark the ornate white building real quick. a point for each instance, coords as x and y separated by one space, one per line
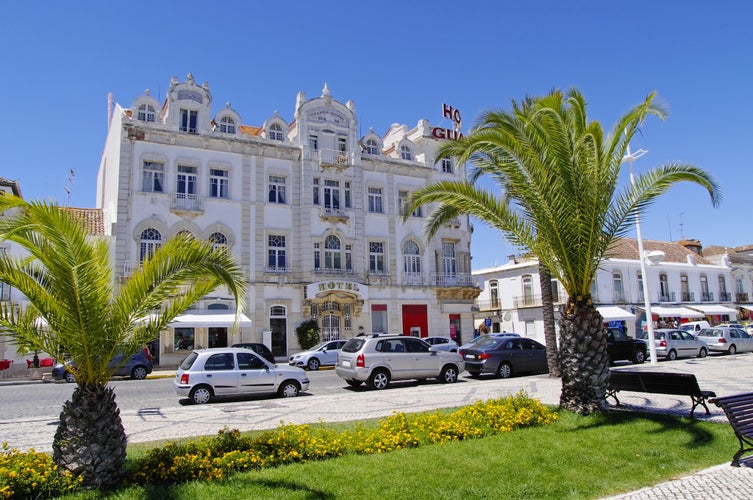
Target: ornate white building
312 211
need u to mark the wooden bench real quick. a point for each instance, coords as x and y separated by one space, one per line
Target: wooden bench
680 384
739 411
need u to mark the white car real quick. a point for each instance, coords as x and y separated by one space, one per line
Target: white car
234 371
323 354
726 339
442 343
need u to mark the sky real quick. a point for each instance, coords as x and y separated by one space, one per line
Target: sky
399 62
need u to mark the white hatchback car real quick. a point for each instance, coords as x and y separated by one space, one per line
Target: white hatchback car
442 343
234 371
323 354
726 339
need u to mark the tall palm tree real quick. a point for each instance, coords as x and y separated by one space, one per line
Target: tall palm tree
560 173
73 307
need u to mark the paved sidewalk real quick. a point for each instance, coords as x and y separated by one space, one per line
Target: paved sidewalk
725 375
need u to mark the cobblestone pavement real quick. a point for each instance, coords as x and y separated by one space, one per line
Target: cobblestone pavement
725 375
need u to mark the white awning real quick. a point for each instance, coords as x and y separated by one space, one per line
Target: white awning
204 319
714 309
675 312
614 313
749 307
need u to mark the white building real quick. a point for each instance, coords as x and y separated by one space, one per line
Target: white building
312 212
683 285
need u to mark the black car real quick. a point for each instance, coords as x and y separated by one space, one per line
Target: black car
505 356
137 366
620 346
259 348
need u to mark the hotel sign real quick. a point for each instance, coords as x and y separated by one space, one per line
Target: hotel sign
446 133
323 287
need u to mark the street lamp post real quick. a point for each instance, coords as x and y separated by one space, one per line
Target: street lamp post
630 158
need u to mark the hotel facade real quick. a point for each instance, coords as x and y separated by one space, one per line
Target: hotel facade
312 212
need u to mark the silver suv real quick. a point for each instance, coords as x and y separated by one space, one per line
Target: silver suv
377 359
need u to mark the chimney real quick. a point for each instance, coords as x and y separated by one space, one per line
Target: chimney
692 245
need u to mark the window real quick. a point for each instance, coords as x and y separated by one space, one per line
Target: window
227 125
494 294
555 291
663 288
723 289
640 286
221 361
446 165
186 180
375 200
276 252
617 290
276 189
342 145
402 202
739 286
449 263
317 256
349 257
313 142
146 113
411 259
151 240
275 132
376 257
188 119
331 195
315 193
218 241
371 147
684 288
332 253
248 361
183 339
153 177
347 194
405 153
527 290
705 295
218 183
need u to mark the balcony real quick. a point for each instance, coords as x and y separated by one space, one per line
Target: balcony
331 271
687 296
707 297
333 214
741 297
525 301
330 158
667 297
413 279
489 305
183 202
725 297
452 279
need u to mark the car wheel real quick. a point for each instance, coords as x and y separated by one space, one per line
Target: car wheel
201 394
504 370
702 352
732 349
672 355
379 379
639 357
353 383
138 373
288 389
69 377
449 374
313 364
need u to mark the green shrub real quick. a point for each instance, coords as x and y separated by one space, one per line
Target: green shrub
308 334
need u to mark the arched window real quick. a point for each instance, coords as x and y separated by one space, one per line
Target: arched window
685 288
146 113
411 258
185 234
227 125
705 294
218 241
275 132
723 295
528 290
332 253
151 240
371 147
494 294
406 153
664 288
617 290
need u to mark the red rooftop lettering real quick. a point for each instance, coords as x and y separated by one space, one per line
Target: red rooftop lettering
451 113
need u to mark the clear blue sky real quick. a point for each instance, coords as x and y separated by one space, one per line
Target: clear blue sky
398 61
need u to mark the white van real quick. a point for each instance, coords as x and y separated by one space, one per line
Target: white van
694 326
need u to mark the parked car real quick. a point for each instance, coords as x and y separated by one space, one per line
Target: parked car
323 354
673 344
442 343
234 371
259 348
726 339
378 359
137 366
486 335
620 346
505 356
694 326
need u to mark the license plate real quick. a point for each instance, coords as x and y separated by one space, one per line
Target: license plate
346 363
469 356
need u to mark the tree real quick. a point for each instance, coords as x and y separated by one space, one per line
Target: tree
559 174
73 307
308 334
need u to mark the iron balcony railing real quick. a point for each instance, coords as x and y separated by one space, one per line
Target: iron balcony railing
452 279
183 202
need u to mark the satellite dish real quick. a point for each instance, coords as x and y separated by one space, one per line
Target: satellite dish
507 316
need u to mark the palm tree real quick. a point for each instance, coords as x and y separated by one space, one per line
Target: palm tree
74 308
560 173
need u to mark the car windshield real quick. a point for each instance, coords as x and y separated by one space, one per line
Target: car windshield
354 345
486 342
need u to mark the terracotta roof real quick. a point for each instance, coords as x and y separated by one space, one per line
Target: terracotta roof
252 131
92 219
719 249
627 248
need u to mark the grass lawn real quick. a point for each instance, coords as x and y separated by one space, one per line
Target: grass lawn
576 457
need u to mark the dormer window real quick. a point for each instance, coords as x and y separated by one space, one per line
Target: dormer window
275 132
406 153
227 125
188 120
146 113
371 147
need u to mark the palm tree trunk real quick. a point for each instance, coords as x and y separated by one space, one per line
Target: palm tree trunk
547 310
584 359
90 441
